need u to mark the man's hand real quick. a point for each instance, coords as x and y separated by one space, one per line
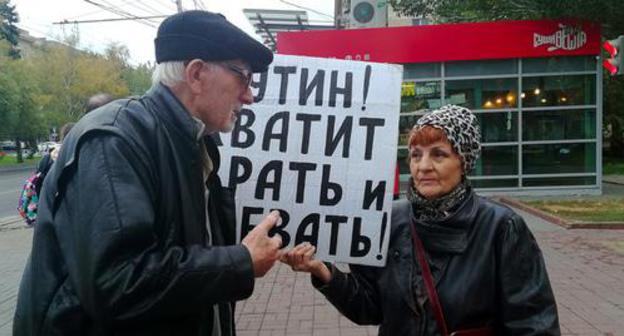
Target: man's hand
301 259
264 250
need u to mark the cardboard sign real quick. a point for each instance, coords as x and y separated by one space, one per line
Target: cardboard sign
319 145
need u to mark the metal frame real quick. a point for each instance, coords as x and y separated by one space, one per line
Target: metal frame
268 22
519 109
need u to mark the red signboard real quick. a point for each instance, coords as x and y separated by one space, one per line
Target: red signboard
448 42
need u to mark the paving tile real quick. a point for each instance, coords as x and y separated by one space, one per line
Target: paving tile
586 277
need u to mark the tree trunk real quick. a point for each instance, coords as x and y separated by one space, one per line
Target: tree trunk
18 150
32 146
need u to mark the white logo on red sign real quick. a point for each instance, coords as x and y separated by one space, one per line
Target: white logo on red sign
566 38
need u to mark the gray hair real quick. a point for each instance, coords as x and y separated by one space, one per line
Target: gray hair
168 73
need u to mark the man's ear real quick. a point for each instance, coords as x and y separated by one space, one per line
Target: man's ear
192 75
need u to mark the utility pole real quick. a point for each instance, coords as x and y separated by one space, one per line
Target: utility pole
179 4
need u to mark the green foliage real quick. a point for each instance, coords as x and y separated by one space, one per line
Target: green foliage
68 77
21 118
613 166
52 85
8 29
607 12
139 78
596 210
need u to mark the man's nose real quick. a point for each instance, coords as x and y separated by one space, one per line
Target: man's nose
247 97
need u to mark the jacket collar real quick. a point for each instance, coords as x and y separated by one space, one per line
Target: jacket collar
451 234
169 108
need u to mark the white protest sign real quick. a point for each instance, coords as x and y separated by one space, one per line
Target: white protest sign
319 145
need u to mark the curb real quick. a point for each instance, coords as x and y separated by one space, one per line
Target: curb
12 223
613 179
568 224
17 168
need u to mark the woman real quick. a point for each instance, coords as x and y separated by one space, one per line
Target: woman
483 262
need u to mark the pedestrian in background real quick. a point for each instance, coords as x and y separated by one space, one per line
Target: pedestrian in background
97 100
457 264
136 233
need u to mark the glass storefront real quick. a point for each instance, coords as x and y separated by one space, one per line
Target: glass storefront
539 118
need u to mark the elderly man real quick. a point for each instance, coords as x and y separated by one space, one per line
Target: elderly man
136 233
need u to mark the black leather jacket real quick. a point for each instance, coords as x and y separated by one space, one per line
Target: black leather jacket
120 246
486 265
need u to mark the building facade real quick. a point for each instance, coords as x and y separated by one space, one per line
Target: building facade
536 87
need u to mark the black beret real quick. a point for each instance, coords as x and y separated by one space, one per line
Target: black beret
210 37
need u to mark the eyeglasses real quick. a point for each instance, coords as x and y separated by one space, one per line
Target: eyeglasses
244 74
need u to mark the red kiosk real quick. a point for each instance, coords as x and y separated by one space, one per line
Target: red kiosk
535 86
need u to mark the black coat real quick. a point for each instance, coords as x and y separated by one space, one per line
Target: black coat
120 246
486 265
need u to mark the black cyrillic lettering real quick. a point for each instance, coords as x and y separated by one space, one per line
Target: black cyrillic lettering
371 195
335 223
370 124
279 229
346 91
261 85
239 176
240 128
263 184
326 186
358 239
284 71
344 134
312 221
281 136
307 122
302 168
316 84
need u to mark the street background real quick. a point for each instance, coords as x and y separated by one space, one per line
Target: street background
586 268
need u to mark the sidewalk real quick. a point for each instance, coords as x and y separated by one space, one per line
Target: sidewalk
585 273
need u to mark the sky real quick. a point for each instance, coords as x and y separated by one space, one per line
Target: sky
38 18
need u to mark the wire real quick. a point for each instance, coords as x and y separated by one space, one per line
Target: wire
120 12
85 14
308 9
154 10
164 5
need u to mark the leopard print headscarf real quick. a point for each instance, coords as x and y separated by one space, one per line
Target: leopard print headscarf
461 128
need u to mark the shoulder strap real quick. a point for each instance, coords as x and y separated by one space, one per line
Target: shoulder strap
428 280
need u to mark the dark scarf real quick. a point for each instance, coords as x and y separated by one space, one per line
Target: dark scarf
426 210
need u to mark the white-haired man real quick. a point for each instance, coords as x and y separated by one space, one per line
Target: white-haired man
135 234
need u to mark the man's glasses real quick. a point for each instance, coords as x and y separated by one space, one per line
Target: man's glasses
244 74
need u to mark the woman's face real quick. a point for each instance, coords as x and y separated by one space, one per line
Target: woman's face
435 168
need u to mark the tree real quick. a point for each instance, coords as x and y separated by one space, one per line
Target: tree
21 119
607 12
8 29
137 79
67 77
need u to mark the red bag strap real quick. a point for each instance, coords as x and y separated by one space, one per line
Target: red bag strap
428 280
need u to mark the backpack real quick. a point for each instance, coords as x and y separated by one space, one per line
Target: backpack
29 196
